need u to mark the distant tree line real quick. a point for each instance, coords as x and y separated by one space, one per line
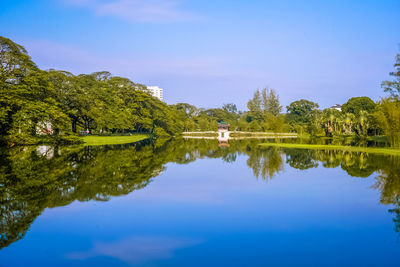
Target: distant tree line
57 105
359 116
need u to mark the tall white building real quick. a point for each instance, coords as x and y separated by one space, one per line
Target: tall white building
156 91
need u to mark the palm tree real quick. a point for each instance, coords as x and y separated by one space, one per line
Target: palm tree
349 119
363 123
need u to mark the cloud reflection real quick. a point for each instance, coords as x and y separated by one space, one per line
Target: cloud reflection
136 250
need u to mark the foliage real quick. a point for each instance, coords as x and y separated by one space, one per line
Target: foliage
264 113
54 106
301 111
393 87
357 104
371 150
36 103
270 102
199 119
388 117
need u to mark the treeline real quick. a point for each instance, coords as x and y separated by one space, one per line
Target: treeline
57 105
359 116
264 115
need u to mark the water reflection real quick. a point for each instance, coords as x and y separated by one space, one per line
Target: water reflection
135 250
357 164
35 178
265 163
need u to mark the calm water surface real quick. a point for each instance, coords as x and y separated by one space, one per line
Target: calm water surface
195 203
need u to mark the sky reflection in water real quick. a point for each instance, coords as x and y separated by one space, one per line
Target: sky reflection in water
194 203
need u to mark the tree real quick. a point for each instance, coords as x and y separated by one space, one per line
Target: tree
356 104
231 108
28 104
388 117
275 123
330 121
189 110
349 120
393 87
270 102
254 106
301 111
363 123
15 65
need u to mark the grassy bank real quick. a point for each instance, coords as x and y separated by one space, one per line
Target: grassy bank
94 140
388 151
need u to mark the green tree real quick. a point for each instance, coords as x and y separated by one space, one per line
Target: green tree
28 105
388 117
331 121
357 104
301 111
230 108
254 106
270 102
363 123
393 87
348 122
15 65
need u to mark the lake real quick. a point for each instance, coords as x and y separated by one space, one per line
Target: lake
197 203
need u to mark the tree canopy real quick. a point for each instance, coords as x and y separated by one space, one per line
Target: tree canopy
393 86
58 104
55 105
301 111
356 104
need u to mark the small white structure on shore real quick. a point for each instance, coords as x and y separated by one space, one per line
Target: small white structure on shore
223 132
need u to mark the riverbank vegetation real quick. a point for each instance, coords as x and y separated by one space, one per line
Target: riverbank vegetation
360 117
54 106
58 105
373 150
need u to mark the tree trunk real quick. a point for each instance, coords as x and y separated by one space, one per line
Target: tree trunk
74 121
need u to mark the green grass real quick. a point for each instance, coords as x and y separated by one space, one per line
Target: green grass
376 150
94 140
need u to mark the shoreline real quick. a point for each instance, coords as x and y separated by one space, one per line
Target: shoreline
91 140
94 140
374 150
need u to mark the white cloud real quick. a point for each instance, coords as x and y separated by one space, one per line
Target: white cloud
138 10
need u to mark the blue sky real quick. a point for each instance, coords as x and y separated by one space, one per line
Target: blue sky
212 52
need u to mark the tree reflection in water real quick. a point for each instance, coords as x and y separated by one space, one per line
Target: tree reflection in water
265 162
35 178
357 164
